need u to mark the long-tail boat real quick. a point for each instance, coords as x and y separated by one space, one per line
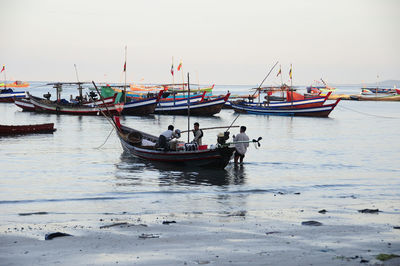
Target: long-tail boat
25 104
143 145
316 111
8 95
141 107
26 129
204 107
78 107
295 105
15 84
132 105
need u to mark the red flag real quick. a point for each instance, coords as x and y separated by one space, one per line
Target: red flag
125 67
180 65
4 68
172 69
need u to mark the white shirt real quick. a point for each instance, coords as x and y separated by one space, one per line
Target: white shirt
169 134
241 147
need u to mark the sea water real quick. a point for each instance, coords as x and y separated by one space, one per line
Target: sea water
78 174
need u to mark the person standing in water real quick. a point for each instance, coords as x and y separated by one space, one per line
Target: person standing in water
241 148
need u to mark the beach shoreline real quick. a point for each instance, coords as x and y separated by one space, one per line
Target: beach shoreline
235 238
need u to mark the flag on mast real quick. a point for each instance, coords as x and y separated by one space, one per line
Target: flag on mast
4 68
125 67
172 69
180 65
290 72
279 72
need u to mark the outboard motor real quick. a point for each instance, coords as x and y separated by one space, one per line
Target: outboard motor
222 137
93 95
47 95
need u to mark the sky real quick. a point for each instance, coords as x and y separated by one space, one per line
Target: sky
218 41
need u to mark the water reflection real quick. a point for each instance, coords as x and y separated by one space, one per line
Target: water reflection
132 168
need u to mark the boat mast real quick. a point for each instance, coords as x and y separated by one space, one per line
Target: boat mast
188 104
58 87
172 73
126 48
79 84
291 83
5 78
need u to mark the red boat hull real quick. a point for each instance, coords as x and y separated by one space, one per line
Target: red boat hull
26 129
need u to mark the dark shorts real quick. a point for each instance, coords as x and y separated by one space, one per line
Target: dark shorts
239 155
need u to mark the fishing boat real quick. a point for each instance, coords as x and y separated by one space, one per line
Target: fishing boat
204 107
295 105
8 95
15 84
140 107
172 92
60 107
379 97
25 104
26 129
143 145
380 91
77 107
316 111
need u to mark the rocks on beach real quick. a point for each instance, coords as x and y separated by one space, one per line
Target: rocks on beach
50 236
369 211
311 223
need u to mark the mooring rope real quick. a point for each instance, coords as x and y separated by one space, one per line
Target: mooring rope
381 116
106 139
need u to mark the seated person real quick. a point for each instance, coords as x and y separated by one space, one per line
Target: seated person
166 136
198 134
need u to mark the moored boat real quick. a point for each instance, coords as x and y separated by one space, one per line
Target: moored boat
25 104
145 106
15 84
26 129
198 108
59 107
315 111
8 95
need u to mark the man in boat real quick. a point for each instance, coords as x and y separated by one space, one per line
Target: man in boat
198 134
241 147
166 136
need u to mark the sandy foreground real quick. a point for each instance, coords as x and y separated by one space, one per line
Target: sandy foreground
197 239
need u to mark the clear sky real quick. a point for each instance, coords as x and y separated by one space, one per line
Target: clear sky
219 41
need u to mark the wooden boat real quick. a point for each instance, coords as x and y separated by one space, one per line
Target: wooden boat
171 92
375 98
314 111
58 107
25 104
8 95
26 129
144 106
198 108
15 84
303 103
137 142
381 91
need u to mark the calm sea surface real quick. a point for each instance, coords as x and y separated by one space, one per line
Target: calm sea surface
343 163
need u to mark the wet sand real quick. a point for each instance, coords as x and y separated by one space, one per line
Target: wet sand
236 238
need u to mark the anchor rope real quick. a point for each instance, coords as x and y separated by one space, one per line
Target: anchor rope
381 116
